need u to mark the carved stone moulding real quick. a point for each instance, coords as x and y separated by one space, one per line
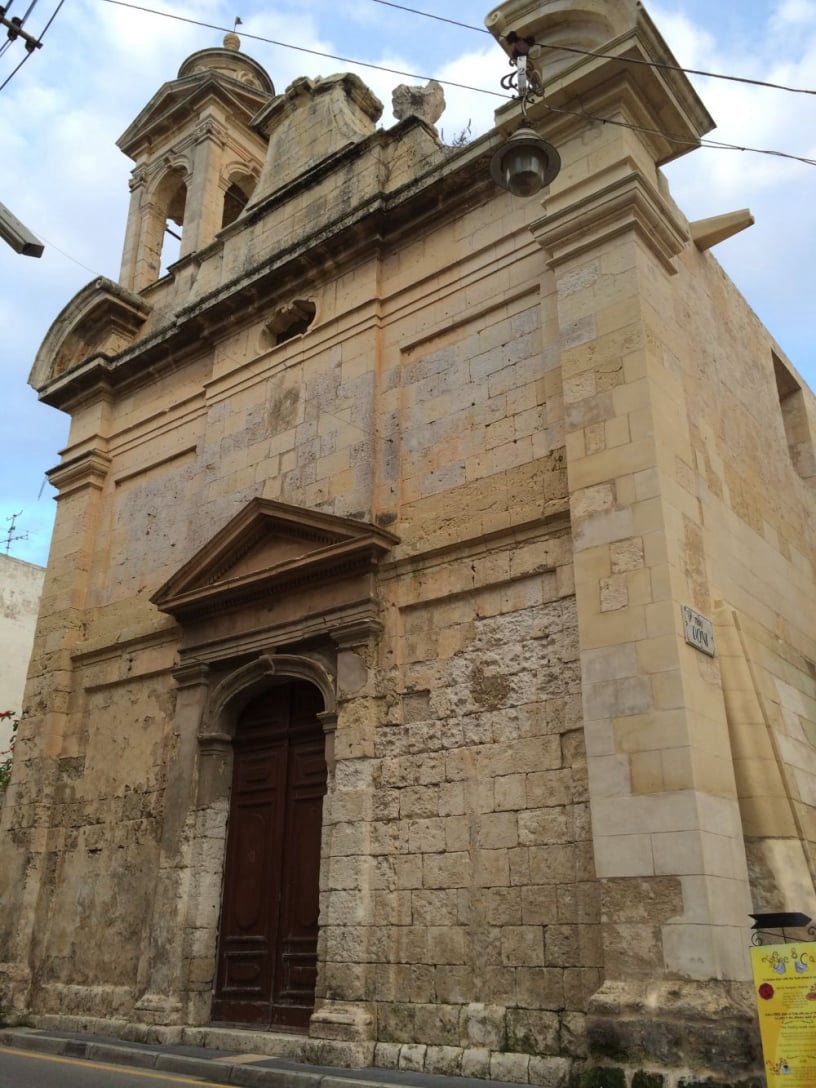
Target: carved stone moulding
277 574
99 322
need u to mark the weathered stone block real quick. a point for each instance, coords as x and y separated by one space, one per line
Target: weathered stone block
448 945
532 1032
540 987
395 1022
549 1072
454 985
412 1057
522 946
510 1067
482 1026
437 1024
444 1061
386 1055
476 1062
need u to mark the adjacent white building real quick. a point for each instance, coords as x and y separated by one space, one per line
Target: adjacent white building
20 589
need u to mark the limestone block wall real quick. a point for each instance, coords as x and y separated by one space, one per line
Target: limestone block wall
425 396
484 932
751 548
548 817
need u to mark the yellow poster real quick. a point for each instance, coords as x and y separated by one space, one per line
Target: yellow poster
785 988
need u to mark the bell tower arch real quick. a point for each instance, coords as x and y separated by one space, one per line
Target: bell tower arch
197 158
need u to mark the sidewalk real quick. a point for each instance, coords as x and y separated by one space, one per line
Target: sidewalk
223 1066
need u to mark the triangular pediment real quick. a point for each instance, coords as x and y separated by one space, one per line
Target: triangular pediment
181 98
271 548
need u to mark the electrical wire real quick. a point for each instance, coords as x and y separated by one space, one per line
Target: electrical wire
53 17
684 141
663 65
300 48
14 71
10 40
30 52
715 144
53 245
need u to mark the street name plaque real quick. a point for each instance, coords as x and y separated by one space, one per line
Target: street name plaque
698 630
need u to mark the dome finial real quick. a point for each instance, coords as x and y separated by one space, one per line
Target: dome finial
231 40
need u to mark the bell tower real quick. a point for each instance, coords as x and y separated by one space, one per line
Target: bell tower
197 158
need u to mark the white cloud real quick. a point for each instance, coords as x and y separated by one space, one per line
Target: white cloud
772 261
793 13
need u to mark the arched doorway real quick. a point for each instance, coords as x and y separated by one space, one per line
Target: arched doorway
267 946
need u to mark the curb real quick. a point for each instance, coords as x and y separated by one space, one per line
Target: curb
219 1072
218 1068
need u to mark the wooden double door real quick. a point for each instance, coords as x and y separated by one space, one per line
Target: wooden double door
267 949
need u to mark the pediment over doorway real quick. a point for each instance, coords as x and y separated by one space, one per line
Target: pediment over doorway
272 552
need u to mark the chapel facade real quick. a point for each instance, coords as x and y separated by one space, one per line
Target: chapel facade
426 667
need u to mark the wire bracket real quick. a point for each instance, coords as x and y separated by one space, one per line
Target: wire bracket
15 30
524 80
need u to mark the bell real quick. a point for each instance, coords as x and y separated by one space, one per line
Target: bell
525 163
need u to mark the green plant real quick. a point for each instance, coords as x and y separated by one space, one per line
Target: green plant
6 755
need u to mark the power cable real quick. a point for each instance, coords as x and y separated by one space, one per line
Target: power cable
14 71
30 53
715 144
17 25
53 245
53 17
610 56
11 38
301 48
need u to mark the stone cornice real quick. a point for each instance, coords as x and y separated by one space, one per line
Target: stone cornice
553 522
194 674
347 626
125 643
626 204
445 189
87 470
666 102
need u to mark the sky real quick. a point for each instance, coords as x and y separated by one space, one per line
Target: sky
63 176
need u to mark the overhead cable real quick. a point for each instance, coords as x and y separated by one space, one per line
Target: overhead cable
29 52
715 144
665 66
300 48
12 37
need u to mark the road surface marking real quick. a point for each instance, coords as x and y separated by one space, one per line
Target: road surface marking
124 1070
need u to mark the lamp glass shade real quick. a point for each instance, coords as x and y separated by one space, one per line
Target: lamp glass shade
523 171
525 163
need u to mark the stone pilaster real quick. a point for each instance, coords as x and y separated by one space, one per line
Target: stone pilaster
42 740
205 202
343 1011
166 957
128 275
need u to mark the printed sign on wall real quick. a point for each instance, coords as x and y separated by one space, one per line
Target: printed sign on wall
785 989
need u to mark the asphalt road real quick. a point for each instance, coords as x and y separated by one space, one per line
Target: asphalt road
25 1069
